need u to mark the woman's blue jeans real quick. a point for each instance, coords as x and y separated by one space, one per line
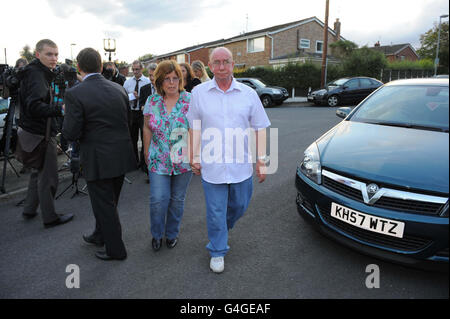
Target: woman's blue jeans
167 194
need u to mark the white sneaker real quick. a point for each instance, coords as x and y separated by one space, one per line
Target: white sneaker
217 264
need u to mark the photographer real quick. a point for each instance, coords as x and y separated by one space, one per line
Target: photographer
20 64
111 73
37 131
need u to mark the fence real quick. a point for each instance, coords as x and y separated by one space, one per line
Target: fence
391 75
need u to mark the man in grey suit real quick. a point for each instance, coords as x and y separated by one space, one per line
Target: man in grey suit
97 116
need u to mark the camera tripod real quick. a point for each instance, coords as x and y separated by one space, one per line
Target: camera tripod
6 156
74 184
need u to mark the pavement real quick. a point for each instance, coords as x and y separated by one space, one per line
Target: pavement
297 99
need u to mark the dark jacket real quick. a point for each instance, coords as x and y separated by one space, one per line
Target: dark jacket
119 78
97 116
191 84
34 97
145 92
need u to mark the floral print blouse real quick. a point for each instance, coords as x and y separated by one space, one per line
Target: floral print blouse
168 153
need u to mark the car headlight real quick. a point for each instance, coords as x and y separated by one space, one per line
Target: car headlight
321 93
276 91
310 165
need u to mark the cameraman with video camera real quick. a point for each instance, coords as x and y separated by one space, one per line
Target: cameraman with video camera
110 72
37 130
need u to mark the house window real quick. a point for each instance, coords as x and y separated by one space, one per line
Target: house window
255 45
304 44
319 46
181 58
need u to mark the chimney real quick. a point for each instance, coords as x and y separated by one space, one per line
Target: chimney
377 44
337 29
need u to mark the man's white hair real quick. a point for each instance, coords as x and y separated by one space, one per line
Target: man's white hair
220 48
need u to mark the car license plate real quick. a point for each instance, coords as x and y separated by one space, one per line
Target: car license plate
368 222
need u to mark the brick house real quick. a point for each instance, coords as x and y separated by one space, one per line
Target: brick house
298 41
397 52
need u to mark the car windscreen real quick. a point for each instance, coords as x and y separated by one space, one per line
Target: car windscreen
258 83
413 106
338 82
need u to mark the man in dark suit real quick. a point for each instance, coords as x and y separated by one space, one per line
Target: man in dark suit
146 91
97 116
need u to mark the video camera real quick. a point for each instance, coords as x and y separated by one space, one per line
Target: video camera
66 75
9 80
108 74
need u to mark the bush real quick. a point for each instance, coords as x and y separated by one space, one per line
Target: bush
364 62
358 62
299 76
424 64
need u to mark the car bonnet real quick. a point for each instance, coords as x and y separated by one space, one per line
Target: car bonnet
408 158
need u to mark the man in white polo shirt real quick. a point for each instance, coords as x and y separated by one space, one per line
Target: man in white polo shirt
221 116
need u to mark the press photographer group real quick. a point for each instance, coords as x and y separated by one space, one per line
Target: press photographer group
65 76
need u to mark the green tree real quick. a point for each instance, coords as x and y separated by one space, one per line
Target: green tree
27 54
428 42
364 62
146 57
342 49
121 63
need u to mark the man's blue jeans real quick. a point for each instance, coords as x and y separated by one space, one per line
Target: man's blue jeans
167 194
225 204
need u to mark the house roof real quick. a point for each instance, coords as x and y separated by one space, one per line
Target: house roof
276 29
393 49
247 35
185 50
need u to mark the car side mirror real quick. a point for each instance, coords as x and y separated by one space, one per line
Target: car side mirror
343 112
345 87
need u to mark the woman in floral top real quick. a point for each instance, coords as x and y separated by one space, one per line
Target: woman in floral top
165 143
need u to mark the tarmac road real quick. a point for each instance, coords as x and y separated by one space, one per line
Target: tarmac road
274 252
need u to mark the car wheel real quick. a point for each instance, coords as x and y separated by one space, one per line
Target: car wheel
333 100
266 101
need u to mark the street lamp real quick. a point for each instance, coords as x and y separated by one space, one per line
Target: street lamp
436 61
109 45
71 53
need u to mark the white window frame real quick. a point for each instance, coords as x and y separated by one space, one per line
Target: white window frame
181 58
304 47
254 39
317 42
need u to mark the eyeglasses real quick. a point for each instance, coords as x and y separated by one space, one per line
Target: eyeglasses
169 80
136 69
224 63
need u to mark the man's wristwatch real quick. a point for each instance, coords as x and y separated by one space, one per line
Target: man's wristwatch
264 159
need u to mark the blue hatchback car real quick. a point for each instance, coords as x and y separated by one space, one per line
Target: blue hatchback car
379 180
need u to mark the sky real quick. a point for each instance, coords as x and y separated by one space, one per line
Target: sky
162 26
